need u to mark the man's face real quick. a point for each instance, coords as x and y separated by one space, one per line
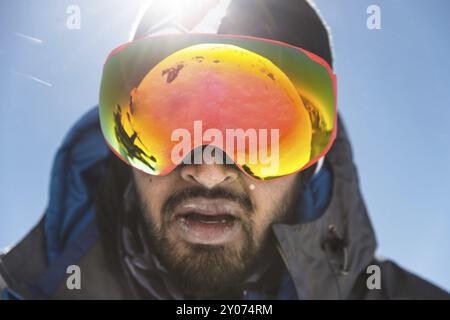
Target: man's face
208 222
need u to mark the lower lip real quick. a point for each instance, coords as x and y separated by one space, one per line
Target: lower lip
195 231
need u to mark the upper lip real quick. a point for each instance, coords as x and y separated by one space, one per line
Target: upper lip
209 207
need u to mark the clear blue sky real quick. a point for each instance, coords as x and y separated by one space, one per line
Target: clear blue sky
393 93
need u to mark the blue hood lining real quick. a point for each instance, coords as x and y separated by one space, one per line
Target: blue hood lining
78 166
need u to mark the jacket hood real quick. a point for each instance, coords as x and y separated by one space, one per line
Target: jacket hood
78 166
338 246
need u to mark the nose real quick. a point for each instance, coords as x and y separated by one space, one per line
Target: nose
209 175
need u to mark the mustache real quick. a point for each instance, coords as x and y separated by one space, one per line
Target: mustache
215 193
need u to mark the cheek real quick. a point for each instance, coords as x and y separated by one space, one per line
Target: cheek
269 198
152 192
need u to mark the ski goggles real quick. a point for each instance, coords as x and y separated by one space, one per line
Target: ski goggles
265 106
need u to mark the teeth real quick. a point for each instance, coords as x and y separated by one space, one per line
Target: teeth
209 222
213 222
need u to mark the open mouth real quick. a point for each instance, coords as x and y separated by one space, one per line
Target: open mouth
195 217
208 221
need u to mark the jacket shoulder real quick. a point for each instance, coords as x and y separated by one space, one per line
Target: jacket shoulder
26 266
97 280
397 284
24 261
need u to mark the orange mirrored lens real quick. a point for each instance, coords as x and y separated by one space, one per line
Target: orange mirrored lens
269 106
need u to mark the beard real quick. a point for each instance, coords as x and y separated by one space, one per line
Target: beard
202 271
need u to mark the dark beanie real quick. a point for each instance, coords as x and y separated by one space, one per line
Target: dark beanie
291 21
